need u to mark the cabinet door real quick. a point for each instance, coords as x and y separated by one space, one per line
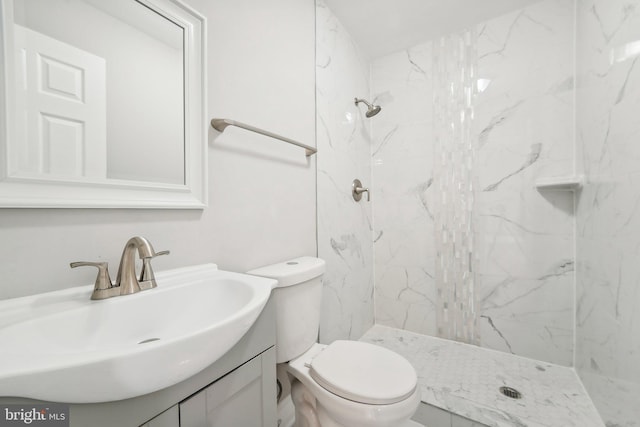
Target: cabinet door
244 397
168 418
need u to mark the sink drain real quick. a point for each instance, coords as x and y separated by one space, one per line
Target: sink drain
149 340
511 392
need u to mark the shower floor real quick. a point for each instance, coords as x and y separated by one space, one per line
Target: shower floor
465 380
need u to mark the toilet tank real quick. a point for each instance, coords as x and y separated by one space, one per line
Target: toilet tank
297 299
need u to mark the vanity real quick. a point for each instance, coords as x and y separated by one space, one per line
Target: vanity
196 350
237 390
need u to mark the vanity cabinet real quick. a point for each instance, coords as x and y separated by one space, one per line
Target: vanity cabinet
243 397
237 399
169 418
239 389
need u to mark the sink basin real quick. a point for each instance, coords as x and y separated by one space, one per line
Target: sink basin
63 347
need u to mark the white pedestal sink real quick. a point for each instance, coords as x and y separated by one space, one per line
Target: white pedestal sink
63 347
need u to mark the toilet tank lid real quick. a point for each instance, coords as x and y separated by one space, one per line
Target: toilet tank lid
293 271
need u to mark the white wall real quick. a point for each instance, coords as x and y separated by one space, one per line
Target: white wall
261 192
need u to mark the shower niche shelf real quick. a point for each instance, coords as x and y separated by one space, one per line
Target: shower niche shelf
560 183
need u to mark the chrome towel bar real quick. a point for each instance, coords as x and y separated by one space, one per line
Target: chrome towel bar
221 124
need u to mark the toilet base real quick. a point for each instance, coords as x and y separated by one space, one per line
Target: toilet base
305 406
286 412
309 414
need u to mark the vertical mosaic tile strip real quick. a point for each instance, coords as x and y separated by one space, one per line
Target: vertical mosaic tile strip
454 71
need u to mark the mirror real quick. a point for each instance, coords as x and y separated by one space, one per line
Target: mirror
104 104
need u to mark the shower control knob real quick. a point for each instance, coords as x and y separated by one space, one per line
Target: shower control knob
357 189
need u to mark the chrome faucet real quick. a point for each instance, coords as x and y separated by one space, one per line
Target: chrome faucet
126 280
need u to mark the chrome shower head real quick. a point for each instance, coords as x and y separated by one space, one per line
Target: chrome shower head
372 110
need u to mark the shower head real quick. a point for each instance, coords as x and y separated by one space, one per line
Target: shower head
372 110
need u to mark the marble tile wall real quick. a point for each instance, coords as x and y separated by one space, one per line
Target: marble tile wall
608 224
524 238
403 191
524 118
344 146
524 122
456 183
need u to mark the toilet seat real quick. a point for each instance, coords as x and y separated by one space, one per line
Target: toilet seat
345 411
363 373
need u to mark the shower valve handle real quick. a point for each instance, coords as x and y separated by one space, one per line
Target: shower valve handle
357 189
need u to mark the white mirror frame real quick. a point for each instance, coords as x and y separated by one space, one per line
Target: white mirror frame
23 192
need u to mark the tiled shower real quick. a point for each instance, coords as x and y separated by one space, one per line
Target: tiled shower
471 123
520 241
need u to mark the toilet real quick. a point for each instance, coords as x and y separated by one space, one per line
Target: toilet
345 383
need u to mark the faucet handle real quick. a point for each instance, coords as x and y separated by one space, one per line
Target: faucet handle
103 279
357 189
147 278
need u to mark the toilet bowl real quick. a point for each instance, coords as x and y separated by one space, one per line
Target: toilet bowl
345 383
380 391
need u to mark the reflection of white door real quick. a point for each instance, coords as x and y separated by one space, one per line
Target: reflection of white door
61 104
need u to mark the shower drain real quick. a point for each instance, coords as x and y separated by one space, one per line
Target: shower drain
511 392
